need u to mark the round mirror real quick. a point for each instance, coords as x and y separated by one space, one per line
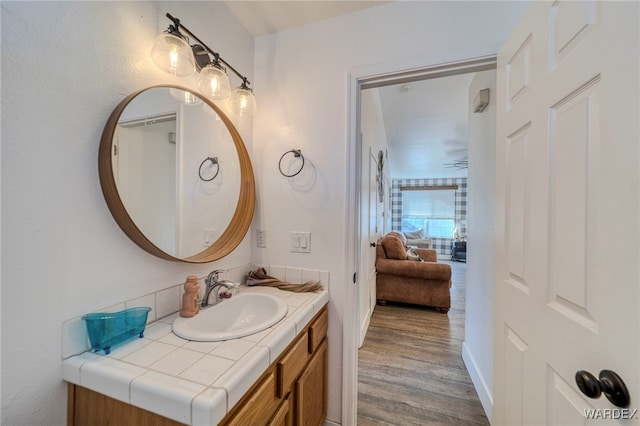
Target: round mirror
176 175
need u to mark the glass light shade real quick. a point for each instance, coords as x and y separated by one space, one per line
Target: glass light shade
214 82
185 97
243 102
172 54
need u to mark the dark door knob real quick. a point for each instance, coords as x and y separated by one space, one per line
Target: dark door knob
372 244
608 383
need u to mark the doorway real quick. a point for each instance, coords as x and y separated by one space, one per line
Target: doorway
358 83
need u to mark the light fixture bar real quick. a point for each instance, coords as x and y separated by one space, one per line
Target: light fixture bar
216 55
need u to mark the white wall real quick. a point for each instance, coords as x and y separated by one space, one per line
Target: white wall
477 350
372 129
301 85
65 66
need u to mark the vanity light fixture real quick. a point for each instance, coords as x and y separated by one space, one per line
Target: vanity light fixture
185 97
242 100
173 54
214 81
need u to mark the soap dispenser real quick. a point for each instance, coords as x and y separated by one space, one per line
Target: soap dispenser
191 297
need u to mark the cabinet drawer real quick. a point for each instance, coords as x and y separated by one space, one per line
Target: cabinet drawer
317 331
263 400
282 415
292 364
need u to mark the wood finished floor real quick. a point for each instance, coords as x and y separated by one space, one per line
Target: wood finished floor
410 365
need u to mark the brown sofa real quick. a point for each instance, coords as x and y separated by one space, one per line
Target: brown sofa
400 279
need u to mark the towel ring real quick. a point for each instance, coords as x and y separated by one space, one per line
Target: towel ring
214 161
297 154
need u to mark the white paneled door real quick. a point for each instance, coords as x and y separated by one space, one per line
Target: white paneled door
369 230
568 161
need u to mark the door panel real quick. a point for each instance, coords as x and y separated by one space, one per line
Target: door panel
568 212
369 230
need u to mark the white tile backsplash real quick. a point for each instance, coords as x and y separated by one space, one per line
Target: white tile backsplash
277 272
146 300
293 275
163 303
324 279
310 275
113 308
74 337
168 301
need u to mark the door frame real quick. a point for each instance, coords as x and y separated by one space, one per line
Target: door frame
358 79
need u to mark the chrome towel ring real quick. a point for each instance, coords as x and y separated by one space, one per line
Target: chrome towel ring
214 161
297 154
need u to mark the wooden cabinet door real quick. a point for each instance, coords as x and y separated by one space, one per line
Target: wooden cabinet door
256 410
282 417
311 390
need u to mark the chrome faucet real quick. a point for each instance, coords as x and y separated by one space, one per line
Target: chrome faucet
212 283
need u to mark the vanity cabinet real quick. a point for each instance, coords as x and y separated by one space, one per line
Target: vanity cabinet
292 391
89 408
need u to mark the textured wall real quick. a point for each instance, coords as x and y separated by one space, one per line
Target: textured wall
478 355
65 66
301 81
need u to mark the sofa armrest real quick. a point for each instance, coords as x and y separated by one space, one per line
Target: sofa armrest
414 269
428 255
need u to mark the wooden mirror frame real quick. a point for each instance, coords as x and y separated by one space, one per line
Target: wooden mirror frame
240 222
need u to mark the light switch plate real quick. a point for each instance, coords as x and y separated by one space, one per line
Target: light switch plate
209 235
261 238
301 242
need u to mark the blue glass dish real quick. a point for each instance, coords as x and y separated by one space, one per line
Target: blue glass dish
110 328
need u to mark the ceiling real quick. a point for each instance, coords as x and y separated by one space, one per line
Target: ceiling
266 17
426 126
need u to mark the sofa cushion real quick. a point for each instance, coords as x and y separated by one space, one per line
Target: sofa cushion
414 235
429 255
422 270
399 235
393 247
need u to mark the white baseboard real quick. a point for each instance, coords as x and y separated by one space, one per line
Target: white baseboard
363 328
486 399
330 423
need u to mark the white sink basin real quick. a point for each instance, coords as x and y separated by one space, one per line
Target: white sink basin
242 315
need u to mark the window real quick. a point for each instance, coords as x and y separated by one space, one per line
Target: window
432 210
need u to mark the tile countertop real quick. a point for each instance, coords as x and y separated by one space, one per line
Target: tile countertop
191 382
